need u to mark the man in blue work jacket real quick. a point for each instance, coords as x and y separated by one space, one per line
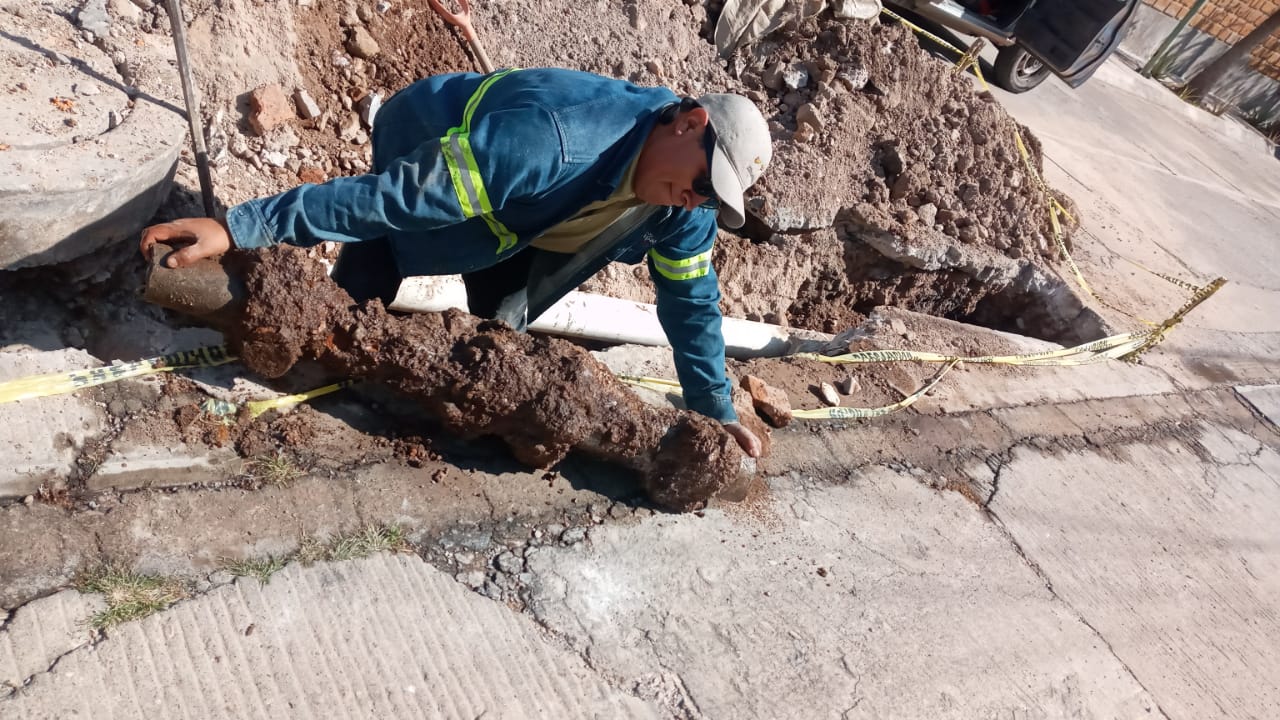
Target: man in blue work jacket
526 182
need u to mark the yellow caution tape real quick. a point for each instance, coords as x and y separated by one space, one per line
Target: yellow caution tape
848 413
59 383
257 407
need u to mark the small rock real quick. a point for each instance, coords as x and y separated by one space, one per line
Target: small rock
113 120
350 128
828 394
968 233
809 115
311 174
654 67
769 401
92 17
854 78
508 563
308 108
848 385
364 13
573 535
554 530
803 134
928 213
87 88
464 557
339 59
1014 253
383 6
795 76
274 158
361 44
954 254
492 590
368 108
29 500
473 579
269 109
772 76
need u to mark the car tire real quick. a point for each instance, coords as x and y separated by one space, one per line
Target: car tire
1018 70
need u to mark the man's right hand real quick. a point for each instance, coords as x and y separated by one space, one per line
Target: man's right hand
208 238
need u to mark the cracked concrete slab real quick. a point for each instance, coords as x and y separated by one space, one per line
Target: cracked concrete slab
878 598
1168 548
42 631
1263 398
387 636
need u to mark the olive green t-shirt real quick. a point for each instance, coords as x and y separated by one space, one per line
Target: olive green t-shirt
570 235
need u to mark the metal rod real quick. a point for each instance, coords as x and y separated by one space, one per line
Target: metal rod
1164 46
193 114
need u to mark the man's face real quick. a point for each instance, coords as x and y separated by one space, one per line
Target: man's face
673 162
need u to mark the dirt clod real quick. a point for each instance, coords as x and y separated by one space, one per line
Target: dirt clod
543 397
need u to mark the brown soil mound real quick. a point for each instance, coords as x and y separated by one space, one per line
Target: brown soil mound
543 397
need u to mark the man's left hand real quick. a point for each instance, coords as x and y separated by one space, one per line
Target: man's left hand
747 440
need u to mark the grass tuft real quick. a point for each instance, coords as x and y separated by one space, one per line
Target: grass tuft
260 568
277 470
129 595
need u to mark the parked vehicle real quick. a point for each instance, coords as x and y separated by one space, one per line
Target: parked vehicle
1069 38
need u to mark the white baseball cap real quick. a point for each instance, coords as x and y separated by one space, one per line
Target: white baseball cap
742 151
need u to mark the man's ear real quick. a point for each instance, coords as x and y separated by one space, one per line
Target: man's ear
693 120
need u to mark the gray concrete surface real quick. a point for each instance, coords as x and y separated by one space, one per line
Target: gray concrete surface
90 170
409 642
43 631
42 436
1182 192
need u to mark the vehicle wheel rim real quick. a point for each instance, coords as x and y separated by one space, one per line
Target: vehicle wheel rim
1028 66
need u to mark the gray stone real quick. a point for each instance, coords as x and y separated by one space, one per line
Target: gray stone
308 108
573 535
508 562
928 213
92 17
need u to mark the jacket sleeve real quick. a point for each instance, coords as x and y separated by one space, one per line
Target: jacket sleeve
689 310
443 182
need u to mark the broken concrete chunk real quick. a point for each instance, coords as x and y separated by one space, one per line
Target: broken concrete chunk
269 109
308 108
361 44
771 402
828 394
854 78
93 17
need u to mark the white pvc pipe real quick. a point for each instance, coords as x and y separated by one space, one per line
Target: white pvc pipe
596 317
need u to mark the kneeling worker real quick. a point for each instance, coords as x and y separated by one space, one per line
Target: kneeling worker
527 182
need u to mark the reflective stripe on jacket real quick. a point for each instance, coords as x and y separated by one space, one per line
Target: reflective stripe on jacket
468 169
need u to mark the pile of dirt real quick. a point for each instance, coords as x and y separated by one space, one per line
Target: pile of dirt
893 182
543 397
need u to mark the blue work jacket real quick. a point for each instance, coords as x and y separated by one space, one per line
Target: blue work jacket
469 169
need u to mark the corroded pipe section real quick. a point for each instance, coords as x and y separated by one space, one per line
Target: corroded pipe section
543 396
